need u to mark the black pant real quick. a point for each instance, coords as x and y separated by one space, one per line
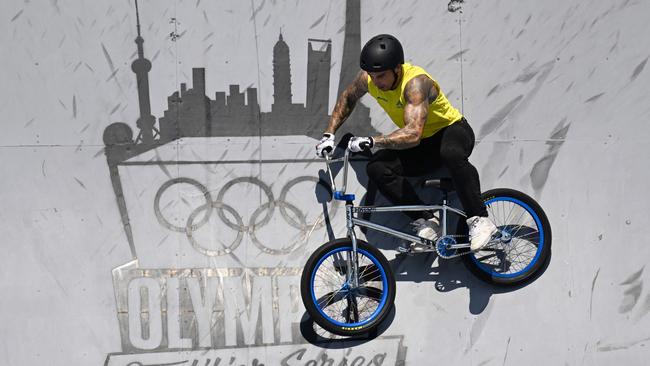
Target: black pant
451 147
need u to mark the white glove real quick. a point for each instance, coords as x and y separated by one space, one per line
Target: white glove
326 144
358 144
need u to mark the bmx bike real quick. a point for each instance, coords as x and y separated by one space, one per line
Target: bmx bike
348 287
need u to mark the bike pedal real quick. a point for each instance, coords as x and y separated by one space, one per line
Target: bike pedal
415 249
403 250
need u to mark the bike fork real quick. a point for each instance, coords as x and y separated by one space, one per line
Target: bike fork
352 262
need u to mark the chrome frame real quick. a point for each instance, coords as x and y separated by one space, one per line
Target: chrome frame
352 220
351 211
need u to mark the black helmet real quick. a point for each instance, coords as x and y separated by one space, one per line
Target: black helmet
382 52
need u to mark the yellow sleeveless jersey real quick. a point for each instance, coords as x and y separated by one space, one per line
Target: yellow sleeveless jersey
441 112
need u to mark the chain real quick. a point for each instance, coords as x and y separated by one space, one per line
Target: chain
434 247
489 245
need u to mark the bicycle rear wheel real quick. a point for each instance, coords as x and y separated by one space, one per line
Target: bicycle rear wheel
522 244
339 302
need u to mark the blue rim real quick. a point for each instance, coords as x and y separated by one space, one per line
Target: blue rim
532 212
384 281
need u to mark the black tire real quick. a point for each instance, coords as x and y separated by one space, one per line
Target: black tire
329 250
544 238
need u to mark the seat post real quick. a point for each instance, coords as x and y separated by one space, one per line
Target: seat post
443 224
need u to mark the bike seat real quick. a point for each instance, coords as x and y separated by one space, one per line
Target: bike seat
445 184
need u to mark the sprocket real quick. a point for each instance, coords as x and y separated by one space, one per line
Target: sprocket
443 250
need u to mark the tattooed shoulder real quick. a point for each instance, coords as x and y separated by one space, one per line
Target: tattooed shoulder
419 89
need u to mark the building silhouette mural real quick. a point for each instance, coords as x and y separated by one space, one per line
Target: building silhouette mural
191 113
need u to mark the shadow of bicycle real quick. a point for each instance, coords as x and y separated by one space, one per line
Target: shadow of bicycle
319 337
451 274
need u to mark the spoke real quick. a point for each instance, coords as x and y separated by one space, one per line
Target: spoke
531 247
325 273
522 226
372 296
334 283
512 212
496 212
364 270
519 218
492 212
525 235
327 299
513 260
521 253
366 310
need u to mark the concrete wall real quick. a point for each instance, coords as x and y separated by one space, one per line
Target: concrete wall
102 173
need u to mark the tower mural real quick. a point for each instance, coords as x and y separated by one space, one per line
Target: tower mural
319 56
281 77
141 67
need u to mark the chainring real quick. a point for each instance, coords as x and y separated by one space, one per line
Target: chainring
442 247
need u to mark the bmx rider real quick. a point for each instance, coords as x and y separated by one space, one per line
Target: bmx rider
431 132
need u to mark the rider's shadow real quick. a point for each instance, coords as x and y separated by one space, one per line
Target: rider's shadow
447 275
451 274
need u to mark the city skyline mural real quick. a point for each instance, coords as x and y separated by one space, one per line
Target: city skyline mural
191 113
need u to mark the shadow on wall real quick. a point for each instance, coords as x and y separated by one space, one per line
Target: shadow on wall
450 275
319 337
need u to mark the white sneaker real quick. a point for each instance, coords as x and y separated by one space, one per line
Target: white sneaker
427 229
481 230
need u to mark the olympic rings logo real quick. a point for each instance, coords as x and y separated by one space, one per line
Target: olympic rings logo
260 217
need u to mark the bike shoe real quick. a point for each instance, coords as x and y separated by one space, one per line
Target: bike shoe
427 229
481 230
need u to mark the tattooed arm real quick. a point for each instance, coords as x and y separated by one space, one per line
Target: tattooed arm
418 93
347 101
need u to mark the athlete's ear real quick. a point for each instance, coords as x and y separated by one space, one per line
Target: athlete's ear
397 71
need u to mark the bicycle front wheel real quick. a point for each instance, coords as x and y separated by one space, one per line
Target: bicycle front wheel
522 244
342 300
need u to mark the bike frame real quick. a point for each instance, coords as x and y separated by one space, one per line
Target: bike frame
351 210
